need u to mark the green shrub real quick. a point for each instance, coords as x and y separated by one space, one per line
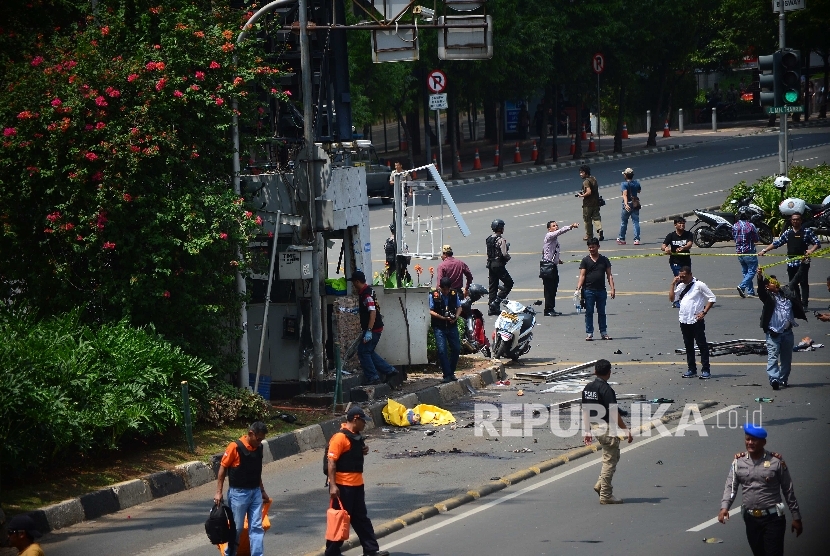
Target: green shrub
67 388
226 403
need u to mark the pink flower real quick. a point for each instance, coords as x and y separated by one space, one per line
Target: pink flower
56 102
53 217
178 94
105 30
48 231
258 221
9 131
223 235
273 91
100 125
287 93
127 197
160 84
113 93
97 176
100 101
237 81
151 66
160 66
214 65
194 87
79 238
88 127
270 234
133 131
132 77
248 214
157 46
109 245
101 220
69 226
70 64
166 294
219 102
37 60
200 75
91 157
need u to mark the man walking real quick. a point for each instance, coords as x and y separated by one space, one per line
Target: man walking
599 397
745 236
678 241
630 190
371 323
763 476
549 268
590 203
695 299
781 308
242 464
497 257
346 451
455 270
445 308
801 243
593 271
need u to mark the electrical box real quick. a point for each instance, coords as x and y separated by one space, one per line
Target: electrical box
295 264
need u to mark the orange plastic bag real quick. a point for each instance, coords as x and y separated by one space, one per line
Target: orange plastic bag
338 523
244 548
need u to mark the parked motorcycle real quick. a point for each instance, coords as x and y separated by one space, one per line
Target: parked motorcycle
513 330
475 339
813 216
712 227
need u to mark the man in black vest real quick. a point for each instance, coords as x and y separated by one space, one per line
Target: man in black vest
371 322
801 243
445 308
242 463
345 473
497 257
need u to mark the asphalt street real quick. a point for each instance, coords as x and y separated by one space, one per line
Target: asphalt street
563 514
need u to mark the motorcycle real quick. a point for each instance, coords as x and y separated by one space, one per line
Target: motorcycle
474 341
813 216
714 226
513 330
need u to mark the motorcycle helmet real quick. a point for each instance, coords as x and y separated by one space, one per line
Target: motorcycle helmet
744 213
477 291
782 182
497 224
392 227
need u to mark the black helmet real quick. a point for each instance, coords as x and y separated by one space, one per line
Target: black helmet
497 224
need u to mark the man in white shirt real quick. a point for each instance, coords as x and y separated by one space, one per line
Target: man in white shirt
695 299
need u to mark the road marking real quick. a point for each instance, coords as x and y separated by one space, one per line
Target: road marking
491 193
687 158
529 214
748 171
740 148
540 484
806 159
709 192
680 184
712 521
557 181
176 547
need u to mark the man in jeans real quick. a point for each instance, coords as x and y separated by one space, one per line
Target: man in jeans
445 308
678 244
781 307
371 322
695 299
242 464
746 236
593 271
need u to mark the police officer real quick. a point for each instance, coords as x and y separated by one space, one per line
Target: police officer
445 308
497 257
371 322
600 398
763 476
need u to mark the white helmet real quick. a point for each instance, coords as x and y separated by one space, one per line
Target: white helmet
782 182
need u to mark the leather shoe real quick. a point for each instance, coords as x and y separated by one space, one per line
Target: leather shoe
377 553
611 500
552 314
775 384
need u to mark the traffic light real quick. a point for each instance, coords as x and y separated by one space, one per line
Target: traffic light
768 67
789 80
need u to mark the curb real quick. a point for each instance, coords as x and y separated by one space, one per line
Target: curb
193 474
444 506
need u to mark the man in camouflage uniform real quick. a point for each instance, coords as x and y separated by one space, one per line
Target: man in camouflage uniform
763 476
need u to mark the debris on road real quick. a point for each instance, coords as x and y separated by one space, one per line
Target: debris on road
763 400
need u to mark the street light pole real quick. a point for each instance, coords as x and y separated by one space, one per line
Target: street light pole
782 130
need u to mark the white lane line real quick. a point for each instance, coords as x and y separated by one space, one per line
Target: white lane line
491 193
176 547
687 158
712 521
536 225
529 214
806 159
740 148
557 181
708 193
531 488
680 184
747 171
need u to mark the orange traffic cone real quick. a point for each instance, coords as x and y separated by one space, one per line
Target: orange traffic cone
404 146
592 148
413 175
477 162
496 158
666 129
388 165
517 156
534 154
584 133
625 131
573 144
435 160
458 161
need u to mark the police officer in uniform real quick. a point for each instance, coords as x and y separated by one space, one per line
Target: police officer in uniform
371 322
445 308
763 476
601 398
497 257
801 243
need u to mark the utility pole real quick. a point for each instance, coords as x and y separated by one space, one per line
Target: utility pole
782 130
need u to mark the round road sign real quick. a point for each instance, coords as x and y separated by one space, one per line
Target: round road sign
437 81
598 63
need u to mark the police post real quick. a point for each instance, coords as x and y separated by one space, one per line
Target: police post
437 84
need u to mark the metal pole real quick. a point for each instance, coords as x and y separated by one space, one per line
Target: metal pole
188 422
714 118
440 144
267 301
782 130
648 121
680 119
399 201
599 124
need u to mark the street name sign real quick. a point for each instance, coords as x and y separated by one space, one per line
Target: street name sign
783 109
789 5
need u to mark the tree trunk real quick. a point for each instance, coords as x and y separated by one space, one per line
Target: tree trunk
554 151
414 129
543 138
652 133
500 133
826 58
405 129
578 129
491 131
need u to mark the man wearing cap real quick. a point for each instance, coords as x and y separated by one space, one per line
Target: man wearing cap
781 307
455 270
764 477
22 535
346 450
371 323
445 308
630 189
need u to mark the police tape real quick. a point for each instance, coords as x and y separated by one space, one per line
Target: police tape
819 253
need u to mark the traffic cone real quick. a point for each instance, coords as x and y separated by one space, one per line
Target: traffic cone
404 146
435 160
388 165
517 156
666 129
584 133
573 144
534 154
477 162
458 161
592 148
496 158
625 131
413 175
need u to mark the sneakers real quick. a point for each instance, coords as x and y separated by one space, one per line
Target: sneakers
610 500
620 241
741 292
676 305
775 384
690 374
705 374
377 553
636 242
553 314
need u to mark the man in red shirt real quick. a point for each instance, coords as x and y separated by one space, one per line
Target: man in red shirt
455 270
345 472
242 463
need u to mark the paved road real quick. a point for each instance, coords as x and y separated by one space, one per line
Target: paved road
645 331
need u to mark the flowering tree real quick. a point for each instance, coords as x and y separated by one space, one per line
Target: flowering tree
115 185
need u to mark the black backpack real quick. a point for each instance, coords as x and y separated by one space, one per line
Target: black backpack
220 526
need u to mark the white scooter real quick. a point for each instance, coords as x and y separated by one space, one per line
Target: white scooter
513 331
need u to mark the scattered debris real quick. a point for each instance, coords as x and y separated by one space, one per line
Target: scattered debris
763 400
468 425
288 418
536 413
659 462
732 347
661 400
713 540
429 433
503 383
522 450
520 393
618 352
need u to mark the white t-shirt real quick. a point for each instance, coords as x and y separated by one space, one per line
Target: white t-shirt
694 301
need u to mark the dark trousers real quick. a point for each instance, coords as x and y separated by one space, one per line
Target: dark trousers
551 284
353 500
766 534
695 333
499 274
802 288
